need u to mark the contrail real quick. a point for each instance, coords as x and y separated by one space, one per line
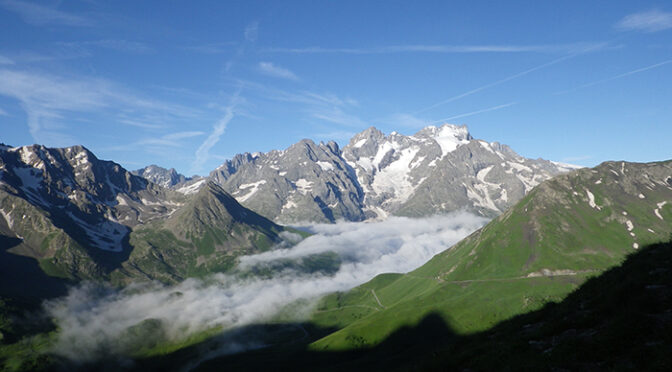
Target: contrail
498 82
473 113
203 152
616 77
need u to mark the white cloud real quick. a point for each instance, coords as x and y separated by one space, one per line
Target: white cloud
268 68
172 139
648 21
92 321
41 15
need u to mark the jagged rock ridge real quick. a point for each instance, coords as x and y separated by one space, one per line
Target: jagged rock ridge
86 218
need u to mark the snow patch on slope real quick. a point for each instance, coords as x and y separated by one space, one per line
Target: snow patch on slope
564 167
304 186
394 178
326 166
193 188
7 216
359 143
449 137
253 188
591 200
657 210
106 235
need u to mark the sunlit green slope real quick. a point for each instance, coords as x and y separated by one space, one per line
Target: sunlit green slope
565 230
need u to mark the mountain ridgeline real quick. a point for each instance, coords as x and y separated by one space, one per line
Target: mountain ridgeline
67 215
83 218
575 276
437 170
161 176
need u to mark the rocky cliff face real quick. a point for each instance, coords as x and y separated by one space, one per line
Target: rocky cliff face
161 176
82 218
306 182
94 201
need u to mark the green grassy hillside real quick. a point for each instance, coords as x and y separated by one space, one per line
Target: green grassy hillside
564 231
204 236
618 320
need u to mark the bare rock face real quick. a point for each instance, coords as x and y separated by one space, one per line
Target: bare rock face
85 218
306 182
161 176
94 201
436 170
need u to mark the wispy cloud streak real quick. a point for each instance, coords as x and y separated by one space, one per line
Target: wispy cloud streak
203 152
171 140
48 98
269 69
322 106
560 48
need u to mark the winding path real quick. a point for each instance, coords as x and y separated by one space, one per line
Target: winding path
376 297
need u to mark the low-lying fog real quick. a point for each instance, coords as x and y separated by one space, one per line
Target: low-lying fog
94 321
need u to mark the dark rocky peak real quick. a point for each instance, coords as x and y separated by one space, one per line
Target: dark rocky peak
333 147
161 176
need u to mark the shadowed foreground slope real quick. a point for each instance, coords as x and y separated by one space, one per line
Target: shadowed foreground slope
621 319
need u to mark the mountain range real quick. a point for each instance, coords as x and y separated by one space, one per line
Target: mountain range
85 218
575 276
162 176
77 217
436 170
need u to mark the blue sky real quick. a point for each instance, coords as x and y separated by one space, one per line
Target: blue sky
188 84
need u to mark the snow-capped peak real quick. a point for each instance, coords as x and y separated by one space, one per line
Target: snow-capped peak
448 136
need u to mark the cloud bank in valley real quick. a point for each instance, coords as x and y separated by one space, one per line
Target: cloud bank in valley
97 321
